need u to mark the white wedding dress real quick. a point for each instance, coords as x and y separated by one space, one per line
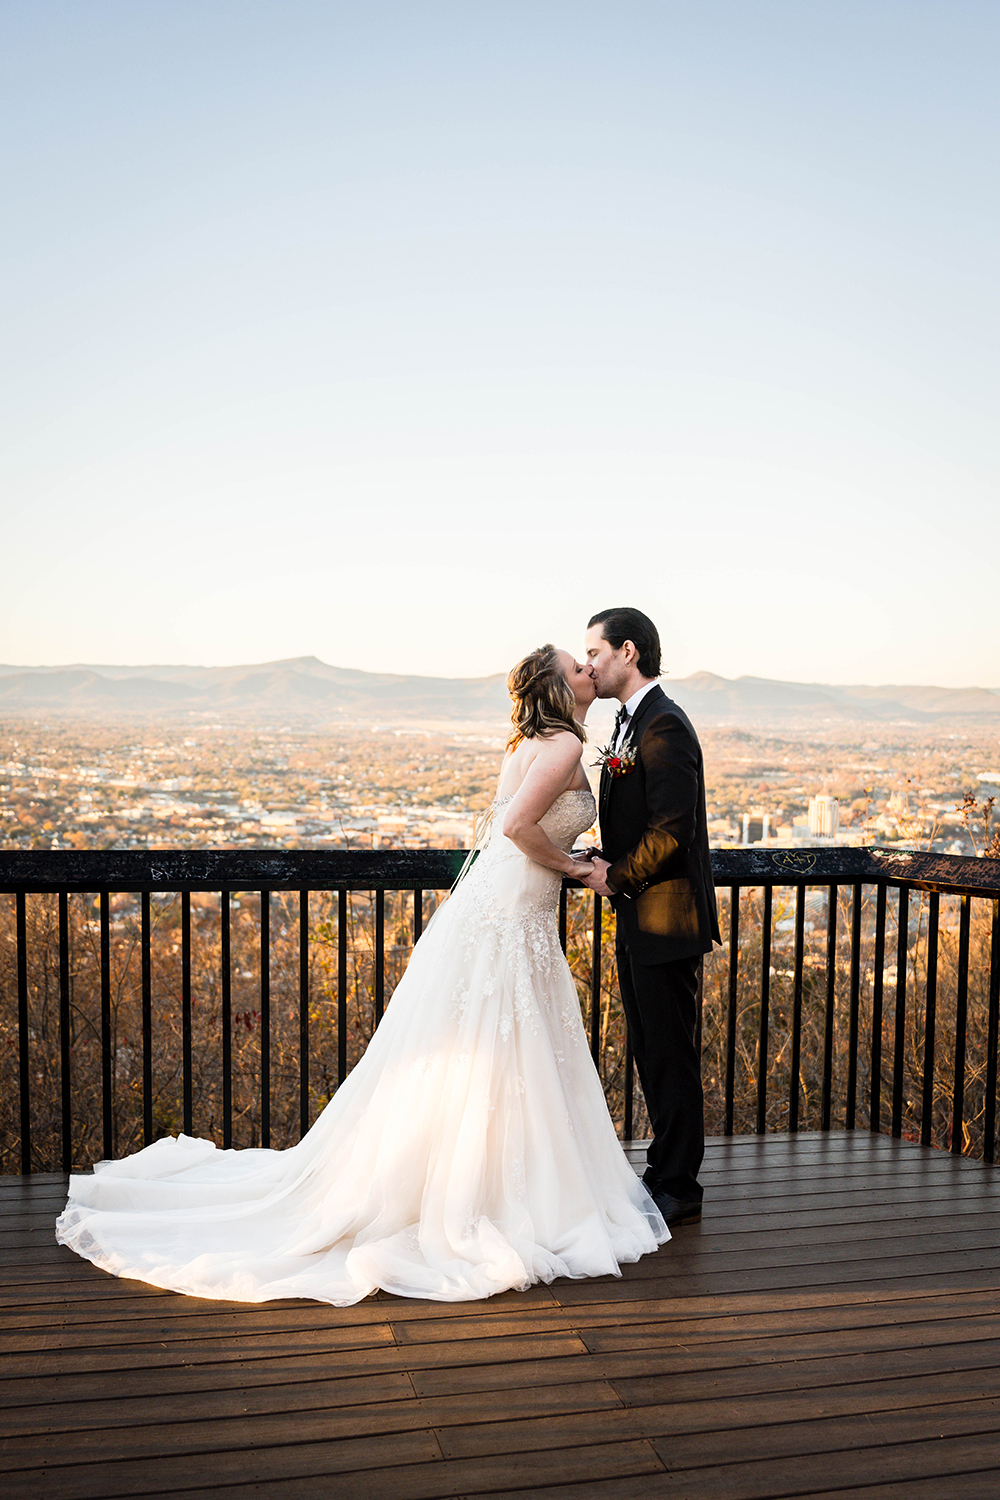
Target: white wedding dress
470 1150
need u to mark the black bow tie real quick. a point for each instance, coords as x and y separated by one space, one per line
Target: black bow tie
621 717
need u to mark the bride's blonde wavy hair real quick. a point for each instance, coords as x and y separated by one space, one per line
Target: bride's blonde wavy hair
542 698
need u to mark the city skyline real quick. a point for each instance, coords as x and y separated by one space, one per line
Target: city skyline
411 337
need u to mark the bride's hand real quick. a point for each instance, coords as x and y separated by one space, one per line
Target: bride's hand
581 866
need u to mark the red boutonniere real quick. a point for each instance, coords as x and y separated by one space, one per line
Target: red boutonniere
621 763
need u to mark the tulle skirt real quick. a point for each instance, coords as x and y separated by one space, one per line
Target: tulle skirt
469 1152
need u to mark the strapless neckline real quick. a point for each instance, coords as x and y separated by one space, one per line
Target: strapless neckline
574 791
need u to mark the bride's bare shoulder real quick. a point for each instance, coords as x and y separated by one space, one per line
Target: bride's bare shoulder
543 756
562 744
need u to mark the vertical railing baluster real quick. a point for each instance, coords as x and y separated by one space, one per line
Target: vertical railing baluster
992 1033
227 1023
563 916
878 979
629 1089
826 1101
23 1029
731 1011
303 1013
342 986
796 1064
186 1063
145 943
379 955
107 1068
65 1035
595 984
854 1010
899 1027
265 1018
418 915
765 1010
930 1021
961 1021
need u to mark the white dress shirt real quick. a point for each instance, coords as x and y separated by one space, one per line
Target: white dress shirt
630 707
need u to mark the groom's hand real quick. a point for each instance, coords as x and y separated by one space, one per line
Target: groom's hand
596 879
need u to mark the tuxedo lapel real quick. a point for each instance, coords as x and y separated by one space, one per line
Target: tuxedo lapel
652 700
633 735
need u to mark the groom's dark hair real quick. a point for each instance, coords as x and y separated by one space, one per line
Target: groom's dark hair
621 625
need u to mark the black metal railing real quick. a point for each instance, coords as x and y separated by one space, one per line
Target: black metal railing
854 987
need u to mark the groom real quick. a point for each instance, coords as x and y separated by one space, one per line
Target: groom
657 873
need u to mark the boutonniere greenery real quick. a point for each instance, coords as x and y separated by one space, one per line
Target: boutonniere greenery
620 763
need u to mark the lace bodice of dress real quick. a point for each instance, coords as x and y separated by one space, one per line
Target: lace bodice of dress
506 882
509 906
571 814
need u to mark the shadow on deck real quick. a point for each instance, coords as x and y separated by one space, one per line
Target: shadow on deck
830 1328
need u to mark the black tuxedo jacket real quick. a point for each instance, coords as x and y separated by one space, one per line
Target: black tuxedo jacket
655 836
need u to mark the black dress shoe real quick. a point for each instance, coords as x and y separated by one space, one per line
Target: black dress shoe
677 1211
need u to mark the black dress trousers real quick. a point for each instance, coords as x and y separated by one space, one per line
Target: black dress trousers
661 1009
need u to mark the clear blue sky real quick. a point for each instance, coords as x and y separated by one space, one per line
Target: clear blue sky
410 334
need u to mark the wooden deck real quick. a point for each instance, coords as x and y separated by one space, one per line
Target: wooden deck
830 1328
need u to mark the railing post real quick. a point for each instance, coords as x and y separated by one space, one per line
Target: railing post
930 1022
993 1026
24 1069
303 1012
961 1022
732 1007
186 1039
826 1105
765 1009
265 1018
875 1102
65 1037
853 1024
379 955
342 983
796 1060
145 943
107 1061
899 1029
227 1024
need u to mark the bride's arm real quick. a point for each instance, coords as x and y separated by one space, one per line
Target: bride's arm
551 772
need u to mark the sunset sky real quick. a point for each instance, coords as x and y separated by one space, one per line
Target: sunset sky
409 334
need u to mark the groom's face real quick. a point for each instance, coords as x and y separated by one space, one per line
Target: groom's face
609 666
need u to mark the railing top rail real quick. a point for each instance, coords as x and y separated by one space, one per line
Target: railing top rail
44 870
872 865
228 869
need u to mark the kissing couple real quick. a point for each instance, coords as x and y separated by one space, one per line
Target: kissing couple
471 1151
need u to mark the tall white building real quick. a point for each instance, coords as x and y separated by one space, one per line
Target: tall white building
824 816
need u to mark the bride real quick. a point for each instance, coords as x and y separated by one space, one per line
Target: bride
470 1151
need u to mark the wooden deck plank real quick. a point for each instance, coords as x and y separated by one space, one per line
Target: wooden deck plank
773 1478
285 1418
728 1444
981 1485
977 1485
104 1481
831 1325
378 1353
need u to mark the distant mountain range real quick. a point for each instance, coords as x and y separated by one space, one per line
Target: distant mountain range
307 687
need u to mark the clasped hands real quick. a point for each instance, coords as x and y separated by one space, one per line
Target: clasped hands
593 870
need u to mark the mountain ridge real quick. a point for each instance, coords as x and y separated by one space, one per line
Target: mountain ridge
307 685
